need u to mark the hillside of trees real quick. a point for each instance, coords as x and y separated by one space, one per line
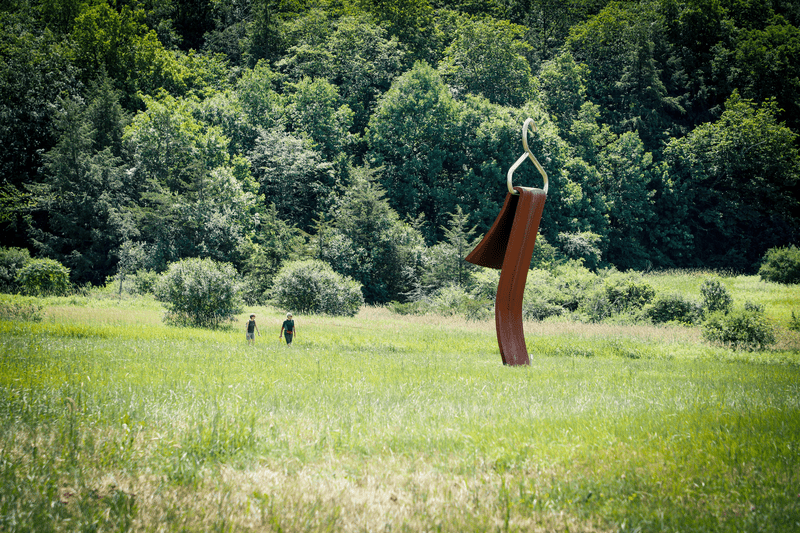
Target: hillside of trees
375 135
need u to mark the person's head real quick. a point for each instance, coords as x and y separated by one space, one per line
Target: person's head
252 316
289 316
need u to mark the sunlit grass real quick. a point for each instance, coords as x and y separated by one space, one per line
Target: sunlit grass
113 421
778 300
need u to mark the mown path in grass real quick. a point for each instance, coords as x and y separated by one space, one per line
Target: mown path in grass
111 420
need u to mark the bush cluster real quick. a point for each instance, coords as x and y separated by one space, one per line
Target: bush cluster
740 328
618 295
143 282
138 283
781 265
450 300
715 296
542 298
312 286
569 288
206 293
794 322
11 262
667 308
19 273
43 277
199 292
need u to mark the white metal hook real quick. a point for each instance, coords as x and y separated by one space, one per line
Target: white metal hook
527 154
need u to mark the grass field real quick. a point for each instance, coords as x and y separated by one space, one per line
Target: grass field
112 421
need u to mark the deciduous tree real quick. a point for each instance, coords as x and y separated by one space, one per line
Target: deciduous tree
35 69
618 46
195 199
626 171
487 58
293 176
316 112
741 184
410 136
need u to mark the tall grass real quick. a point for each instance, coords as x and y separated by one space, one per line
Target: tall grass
778 299
112 421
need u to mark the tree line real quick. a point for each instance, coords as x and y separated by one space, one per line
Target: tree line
375 136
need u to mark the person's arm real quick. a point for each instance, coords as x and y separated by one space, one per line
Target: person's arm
256 327
281 333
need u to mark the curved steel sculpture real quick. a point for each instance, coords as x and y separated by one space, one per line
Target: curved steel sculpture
508 245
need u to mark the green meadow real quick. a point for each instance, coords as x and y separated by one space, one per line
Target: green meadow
113 421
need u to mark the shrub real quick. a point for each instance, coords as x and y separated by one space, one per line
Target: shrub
11 261
418 307
794 322
674 308
574 281
13 307
781 265
454 300
199 292
473 309
628 291
620 294
311 286
542 297
741 328
544 253
143 282
715 296
539 309
752 306
448 300
485 284
43 277
253 290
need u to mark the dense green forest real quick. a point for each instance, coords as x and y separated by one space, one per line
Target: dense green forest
375 135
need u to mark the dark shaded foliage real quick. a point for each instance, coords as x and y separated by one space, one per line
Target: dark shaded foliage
668 130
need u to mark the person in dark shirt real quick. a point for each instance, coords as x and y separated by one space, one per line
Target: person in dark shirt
288 329
251 329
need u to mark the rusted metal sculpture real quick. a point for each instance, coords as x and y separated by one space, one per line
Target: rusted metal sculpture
508 245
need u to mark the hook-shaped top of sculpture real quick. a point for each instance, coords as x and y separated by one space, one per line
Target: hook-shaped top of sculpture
527 154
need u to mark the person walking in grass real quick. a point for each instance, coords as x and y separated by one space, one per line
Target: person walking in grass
288 329
251 329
